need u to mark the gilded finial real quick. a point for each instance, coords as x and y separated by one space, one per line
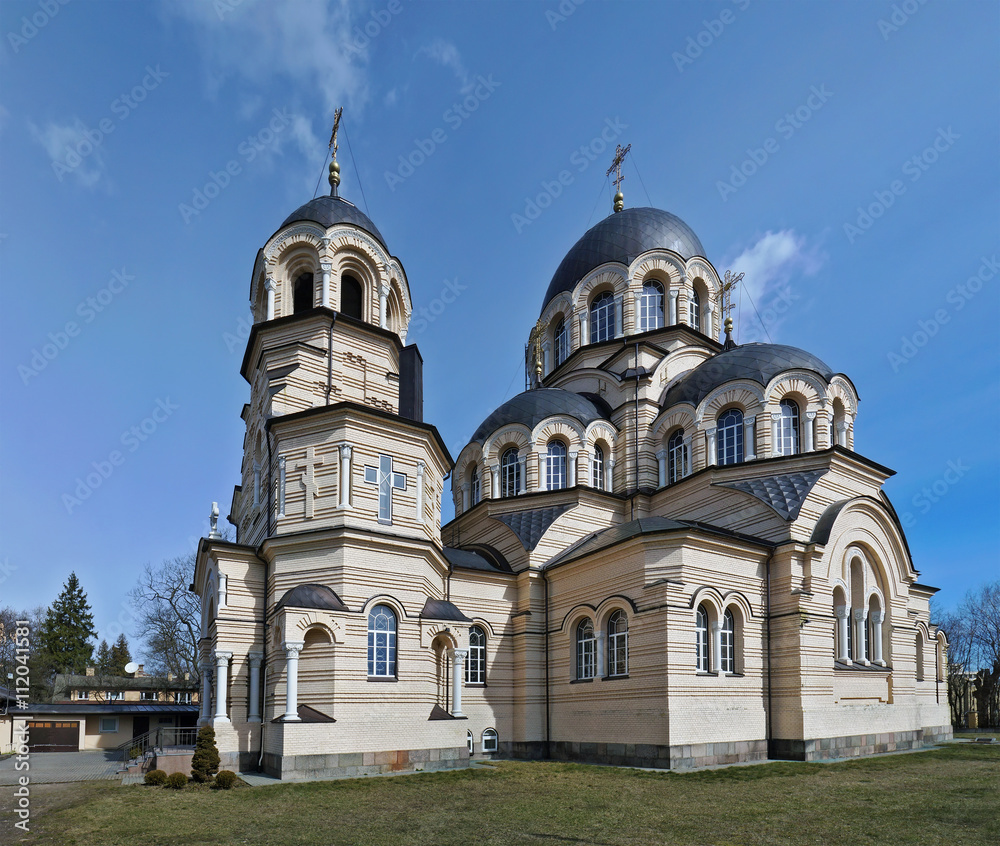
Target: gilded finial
534 353
334 167
616 166
730 344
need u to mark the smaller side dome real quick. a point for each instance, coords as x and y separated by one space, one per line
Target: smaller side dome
532 407
329 211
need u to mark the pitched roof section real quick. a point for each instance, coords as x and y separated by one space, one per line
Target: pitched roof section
532 407
480 558
529 526
784 493
442 609
311 596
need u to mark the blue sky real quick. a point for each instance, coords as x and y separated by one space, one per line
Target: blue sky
843 155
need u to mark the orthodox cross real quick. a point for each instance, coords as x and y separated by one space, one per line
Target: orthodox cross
616 165
728 284
336 126
387 481
334 167
534 354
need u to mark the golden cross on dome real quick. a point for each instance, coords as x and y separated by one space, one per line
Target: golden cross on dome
616 166
729 282
336 126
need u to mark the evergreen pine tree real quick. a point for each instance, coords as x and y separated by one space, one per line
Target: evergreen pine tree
120 656
64 639
103 660
205 761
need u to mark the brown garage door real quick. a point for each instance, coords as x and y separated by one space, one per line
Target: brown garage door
52 736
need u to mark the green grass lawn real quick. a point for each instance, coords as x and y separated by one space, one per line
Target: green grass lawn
945 796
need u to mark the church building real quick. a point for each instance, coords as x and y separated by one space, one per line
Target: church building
668 552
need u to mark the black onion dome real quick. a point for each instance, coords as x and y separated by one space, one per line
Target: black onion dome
622 237
329 211
532 407
757 362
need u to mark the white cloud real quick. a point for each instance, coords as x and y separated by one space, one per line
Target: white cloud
446 54
73 154
391 97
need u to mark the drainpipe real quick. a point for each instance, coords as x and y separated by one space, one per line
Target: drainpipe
767 622
263 689
548 718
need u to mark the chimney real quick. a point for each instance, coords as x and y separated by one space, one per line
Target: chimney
90 671
140 672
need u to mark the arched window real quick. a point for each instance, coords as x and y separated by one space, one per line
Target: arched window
618 644
555 466
677 458
471 743
586 650
788 428
382 642
475 664
651 306
350 297
602 318
491 741
302 293
920 656
597 468
727 652
729 435
694 310
475 489
560 338
510 473
701 639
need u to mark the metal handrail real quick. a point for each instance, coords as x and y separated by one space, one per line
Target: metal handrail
140 748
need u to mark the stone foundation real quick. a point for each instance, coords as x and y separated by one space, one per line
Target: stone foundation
648 754
858 745
356 764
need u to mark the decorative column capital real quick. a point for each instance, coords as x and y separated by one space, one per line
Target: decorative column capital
877 617
255 658
459 654
222 658
495 468
270 285
749 421
842 611
292 648
206 670
710 431
859 614
716 626
810 415
842 426
383 289
345 450
420 468
675 293
326 243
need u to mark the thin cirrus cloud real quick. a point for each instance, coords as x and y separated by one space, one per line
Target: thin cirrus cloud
446 54
73 155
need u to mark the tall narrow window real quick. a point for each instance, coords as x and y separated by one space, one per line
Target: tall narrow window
602 318
560 338
475 666
302 293
701 639
510 473
618 644
677 458
382 642
475 489
597 469
651 307
350 297
586 650
727 657
555 466
471 743
788 428
694 310
729 435
920 656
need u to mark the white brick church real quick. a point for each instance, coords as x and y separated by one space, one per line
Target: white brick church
668 552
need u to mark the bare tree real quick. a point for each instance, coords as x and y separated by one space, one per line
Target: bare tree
974 656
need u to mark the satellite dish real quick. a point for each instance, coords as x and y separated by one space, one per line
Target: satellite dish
131 667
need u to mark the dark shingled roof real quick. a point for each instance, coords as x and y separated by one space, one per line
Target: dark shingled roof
622 237
442 609
532 407
529 526
481 558
311 596
757 362
328 211
784 493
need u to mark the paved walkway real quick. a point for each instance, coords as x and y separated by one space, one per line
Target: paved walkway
55 767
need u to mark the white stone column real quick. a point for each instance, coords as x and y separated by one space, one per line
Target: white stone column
270 287
712 457
619 316
638 312
420 493
522 461
775 430
383 306
542 464
843 613
716 647
750 438
807 431
860 634
842 433
206 693
466 493
327 268
674 294
609 476
495 480
709 328
546 358
571 457
221 685
661 463
345 476
584 333
877 617
688 467
600 669
457 672
281 486
292 649
255 661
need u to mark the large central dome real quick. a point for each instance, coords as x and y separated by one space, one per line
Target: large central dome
621 237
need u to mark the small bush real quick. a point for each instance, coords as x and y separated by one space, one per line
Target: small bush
205 761
226 780
156 777
178 781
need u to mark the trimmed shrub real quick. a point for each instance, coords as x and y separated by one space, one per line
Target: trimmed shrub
156 777
205 761
226 780
178 781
